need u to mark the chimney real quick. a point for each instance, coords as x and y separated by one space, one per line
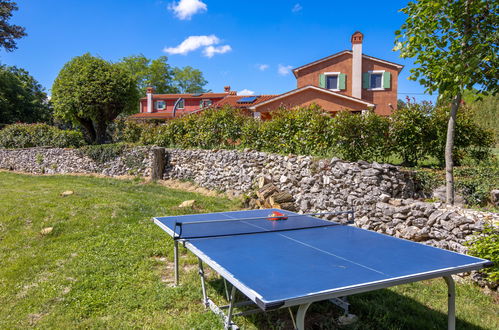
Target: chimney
227 89
149 92
357 38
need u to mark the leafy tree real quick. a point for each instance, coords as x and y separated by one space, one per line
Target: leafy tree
9 32
456 46
189 80
22 98
146 72
91 92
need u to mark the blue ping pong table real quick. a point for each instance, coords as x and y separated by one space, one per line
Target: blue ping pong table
304 259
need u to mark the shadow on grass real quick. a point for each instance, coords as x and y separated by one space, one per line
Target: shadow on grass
380 309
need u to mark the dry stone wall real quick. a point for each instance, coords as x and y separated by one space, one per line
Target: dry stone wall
136 161
384 197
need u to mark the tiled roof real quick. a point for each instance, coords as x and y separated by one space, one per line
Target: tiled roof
299 90
231 100
187 96
153 115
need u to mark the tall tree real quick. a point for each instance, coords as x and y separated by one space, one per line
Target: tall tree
9 32
189 80
22 98
155 73
456 45
92 92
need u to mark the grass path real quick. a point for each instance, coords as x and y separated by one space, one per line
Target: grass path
105 264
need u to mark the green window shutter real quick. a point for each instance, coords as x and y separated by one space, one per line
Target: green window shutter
365 80
322 80
342 81
386 79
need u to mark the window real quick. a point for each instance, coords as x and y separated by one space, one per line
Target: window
180 104
205 103
377 80
334 81
160 105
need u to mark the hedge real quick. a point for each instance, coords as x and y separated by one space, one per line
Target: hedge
414 133
39 135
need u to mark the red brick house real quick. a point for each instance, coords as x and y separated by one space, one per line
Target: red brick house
348 80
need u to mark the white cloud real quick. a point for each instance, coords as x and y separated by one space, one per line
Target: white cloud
284 70
296 8
212 50
245 92
185 9
262 67
192 43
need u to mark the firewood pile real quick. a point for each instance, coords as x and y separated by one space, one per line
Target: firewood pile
267 196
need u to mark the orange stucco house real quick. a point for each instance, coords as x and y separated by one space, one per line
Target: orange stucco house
348 80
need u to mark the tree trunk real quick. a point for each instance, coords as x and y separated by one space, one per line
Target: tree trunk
449 146
89 127
100 132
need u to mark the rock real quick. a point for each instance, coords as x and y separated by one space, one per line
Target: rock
67 193
46 230
494 197
419 222
188 203
395 202
440 192
384 198
415 234
433 217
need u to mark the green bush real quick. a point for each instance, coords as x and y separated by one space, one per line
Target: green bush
427 180
365 137
126 130
39 135
305 131
470 141
414 132
411 131
486 245
215 128
476 182
102 153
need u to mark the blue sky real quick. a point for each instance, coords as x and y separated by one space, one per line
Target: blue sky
249 45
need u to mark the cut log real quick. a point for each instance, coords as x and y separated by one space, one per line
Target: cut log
262 181
258 204
252 203
266 191
288 206
281 197
266 204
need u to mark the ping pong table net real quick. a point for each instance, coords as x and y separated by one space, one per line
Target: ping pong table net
246 226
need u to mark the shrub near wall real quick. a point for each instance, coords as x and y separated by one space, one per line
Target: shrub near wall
414 132
39 135
302 131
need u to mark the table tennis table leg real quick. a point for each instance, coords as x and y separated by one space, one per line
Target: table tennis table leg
175 260
203 284
231 307
300 316
451 302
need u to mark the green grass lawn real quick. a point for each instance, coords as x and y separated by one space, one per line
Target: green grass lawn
106 265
